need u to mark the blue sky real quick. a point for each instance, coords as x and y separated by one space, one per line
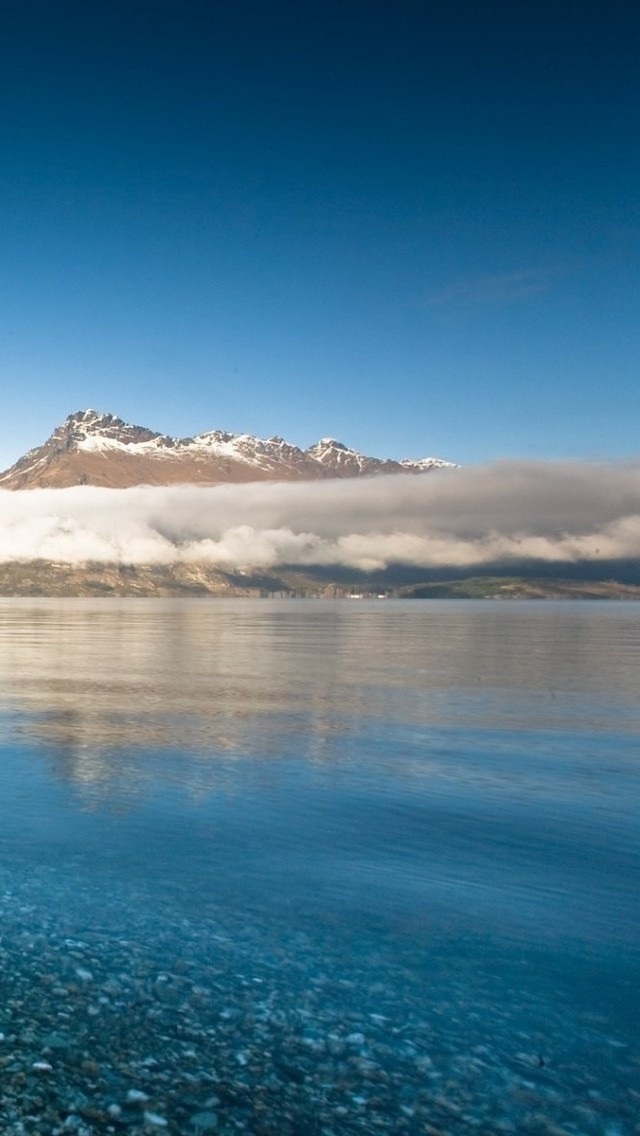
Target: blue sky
413 226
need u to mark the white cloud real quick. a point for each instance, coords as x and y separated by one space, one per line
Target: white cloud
491 514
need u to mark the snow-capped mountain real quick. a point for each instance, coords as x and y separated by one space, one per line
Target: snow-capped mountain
91 448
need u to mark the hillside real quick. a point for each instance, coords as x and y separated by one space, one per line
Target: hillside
91 448
47 579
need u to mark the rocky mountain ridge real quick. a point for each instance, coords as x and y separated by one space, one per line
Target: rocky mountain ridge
93 448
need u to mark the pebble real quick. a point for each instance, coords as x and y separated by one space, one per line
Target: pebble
217 1028
204 1121
154 1119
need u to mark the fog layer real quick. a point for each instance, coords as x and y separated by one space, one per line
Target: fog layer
507 511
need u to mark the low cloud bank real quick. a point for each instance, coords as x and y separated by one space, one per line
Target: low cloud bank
494 514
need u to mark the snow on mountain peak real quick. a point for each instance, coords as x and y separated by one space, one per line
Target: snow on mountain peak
92 447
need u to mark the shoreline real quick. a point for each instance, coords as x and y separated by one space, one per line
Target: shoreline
48 579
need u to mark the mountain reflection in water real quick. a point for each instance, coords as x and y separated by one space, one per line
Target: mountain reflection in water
227 677
319 866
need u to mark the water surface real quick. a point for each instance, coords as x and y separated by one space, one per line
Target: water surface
322 866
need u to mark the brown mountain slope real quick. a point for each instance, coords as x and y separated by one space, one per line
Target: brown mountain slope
99 449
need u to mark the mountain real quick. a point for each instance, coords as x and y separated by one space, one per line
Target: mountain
94 579
91 448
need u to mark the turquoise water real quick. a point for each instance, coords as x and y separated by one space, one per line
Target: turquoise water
333 867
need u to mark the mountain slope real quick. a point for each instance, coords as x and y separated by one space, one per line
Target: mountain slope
90 448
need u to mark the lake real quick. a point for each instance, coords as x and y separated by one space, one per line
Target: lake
319 867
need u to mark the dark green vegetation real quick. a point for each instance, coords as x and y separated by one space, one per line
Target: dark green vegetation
44 578
519 588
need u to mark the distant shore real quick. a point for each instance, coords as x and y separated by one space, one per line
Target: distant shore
47 579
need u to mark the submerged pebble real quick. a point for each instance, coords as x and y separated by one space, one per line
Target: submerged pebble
216 1025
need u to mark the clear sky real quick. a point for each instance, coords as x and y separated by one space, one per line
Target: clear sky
413 225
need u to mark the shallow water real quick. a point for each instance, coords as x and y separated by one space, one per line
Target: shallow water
333 867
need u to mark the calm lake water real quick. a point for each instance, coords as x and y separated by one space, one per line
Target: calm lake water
288 867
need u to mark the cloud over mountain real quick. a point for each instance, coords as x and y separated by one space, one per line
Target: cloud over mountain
507 511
